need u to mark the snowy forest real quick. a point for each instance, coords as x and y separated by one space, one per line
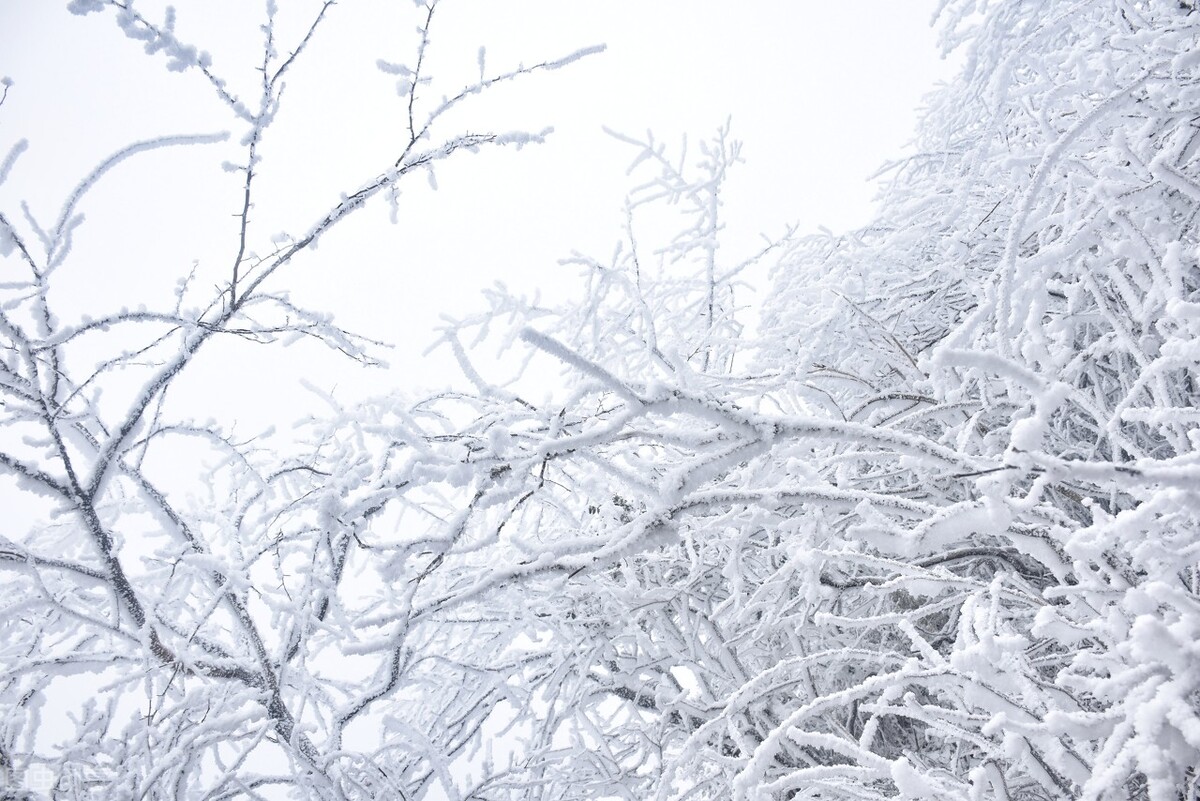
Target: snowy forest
923 523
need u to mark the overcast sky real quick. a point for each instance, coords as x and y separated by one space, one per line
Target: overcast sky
822 93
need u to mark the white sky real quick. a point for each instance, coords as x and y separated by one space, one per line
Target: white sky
822 93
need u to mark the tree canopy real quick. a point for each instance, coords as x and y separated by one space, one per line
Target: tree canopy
924 525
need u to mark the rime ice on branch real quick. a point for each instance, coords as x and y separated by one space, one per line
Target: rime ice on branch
233 646
934 533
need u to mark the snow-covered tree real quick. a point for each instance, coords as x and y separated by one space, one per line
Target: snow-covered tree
257 641
930 532
933 534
